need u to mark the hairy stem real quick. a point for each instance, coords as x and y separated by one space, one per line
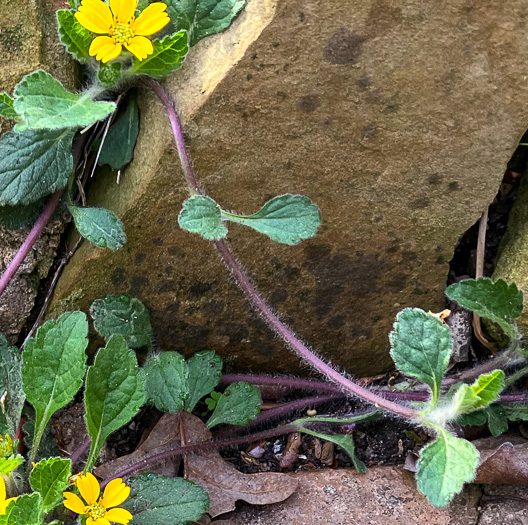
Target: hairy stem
252 294
32 237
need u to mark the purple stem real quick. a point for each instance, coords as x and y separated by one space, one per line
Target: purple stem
321 386
32 237
201 447
252 294
80 450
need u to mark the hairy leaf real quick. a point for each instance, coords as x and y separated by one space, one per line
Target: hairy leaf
54 366
168 56
11 387
122 315
44 103
17 217
120 141
202 215
8 464
287 219
74 36
34 164
6 107
166 383
50 478
238 405
444 466
488 387
115 391
421 346
205 371
110 73
158 499
100 226
203 17
497 300
26 510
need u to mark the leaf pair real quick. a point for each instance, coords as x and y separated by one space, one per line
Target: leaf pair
287 219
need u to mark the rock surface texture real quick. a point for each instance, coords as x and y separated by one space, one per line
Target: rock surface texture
397 118
27 42
381 496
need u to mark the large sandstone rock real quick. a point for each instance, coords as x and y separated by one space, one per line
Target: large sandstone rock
28 41
397 118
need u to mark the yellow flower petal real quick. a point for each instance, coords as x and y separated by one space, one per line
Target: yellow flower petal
115 493
2 489
119 516
151 20
89 486
95 16
123 9
140 46
73 502
104 48
99 521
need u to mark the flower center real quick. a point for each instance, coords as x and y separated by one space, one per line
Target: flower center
122 33
95 511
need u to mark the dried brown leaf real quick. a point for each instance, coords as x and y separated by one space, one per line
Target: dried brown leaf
291 451
222 481
163 437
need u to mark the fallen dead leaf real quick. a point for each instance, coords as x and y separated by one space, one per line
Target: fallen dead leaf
163 437
291 451
224 483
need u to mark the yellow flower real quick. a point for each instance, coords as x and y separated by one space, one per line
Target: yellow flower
120 27
98 510
3 501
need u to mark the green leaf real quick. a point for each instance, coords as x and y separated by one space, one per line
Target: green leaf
122 315
477 418
204 216
48 446
205 371
11 385
26 510
100 226
444 466
54 366
497 420
488 387
211 401
73 35
421 346
497 300
50 478
465 399
287 219
238 405
166 383
34 164
17 217
115 391
6 107
120 141
7 465
44 103
156 500
168 56
203 17
110 74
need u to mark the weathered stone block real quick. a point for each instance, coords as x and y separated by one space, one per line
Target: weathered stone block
396 118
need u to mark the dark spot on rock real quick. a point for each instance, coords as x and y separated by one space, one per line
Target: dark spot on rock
409 255
278 296
281 95
118 277
377 318
435 179
140 257
161 221
383 16
137 283
275 44
302 17
363 82
288 165
369 132
213 308
453 186
176 251
419 204
308 103
360 331
254 56
169 270
336 322
12 38
344 47
249 76
393 249
397 283
236 333
157 241
167 285
440 259
170 312
200 289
